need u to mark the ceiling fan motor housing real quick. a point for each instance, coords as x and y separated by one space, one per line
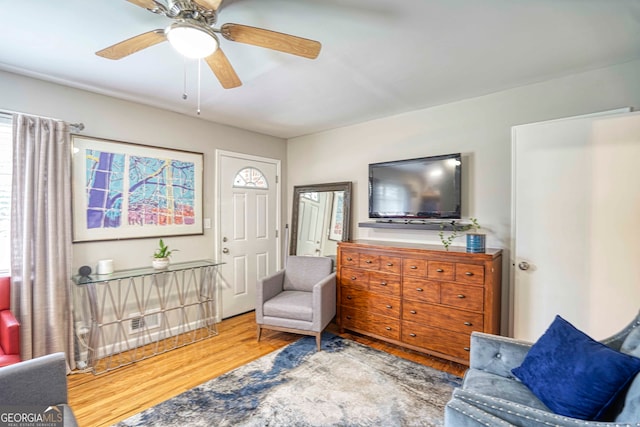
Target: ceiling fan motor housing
186 9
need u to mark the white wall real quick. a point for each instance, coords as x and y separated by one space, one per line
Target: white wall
110 118
480 128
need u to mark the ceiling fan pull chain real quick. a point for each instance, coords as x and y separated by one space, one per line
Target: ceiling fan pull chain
184 77
199 64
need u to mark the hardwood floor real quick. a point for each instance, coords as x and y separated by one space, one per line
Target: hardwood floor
105 399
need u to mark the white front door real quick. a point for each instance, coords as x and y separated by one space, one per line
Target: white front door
247 233
575 218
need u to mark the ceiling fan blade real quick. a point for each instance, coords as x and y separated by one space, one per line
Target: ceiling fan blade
223 70
208 4
132 45
271 40
147 4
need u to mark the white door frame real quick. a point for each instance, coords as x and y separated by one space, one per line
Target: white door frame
217 246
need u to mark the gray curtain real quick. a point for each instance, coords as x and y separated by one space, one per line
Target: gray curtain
41 236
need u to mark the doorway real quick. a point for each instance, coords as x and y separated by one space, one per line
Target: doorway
247 229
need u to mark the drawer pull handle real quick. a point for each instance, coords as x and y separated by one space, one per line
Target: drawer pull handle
440 270
413 312
349 317
413 267
353 277
349 259
383 283
388 328
389 306
469 273
368 261
467 349
412 335
349 297
467 323
460 296
389 264
419 289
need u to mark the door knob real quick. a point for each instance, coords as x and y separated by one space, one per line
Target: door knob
524 265
225 250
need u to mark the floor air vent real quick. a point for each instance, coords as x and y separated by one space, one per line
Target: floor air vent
139 322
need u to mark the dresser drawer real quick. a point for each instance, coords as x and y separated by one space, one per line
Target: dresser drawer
385 306
354 278
390 264
354 297
462 296
353 318
368 261
421 290
439 270
382 283
350 258
442 317
434 339
414 267
385 327
470 273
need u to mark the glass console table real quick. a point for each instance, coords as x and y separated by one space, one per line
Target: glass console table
131 315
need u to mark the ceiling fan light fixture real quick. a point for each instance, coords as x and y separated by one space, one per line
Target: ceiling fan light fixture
192 40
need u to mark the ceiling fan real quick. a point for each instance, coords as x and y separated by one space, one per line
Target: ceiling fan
192 34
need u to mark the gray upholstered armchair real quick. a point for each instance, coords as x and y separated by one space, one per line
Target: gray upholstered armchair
300 298
39 382
492 396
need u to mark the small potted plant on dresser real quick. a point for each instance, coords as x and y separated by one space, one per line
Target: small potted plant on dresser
475 241
161 256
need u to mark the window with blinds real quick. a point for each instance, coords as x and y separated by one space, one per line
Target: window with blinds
5 194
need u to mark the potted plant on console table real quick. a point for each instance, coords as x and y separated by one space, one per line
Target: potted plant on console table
475 241
161 256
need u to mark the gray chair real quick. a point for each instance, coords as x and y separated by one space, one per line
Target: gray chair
37 382
301 298
492 396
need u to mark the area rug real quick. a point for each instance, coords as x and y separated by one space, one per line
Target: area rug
345 384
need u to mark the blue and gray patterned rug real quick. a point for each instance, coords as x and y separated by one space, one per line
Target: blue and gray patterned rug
346 384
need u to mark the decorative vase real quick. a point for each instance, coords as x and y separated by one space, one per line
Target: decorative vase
160 263
476 243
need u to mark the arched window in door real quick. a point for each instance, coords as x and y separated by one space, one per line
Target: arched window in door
250 178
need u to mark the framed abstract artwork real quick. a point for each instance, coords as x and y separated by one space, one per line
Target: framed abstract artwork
131 191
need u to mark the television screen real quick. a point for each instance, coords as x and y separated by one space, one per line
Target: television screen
423 188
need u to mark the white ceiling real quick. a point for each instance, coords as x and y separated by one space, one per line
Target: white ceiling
378 57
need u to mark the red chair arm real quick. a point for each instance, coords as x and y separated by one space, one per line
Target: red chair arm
9 333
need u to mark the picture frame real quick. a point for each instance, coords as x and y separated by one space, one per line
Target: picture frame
337 216
122 190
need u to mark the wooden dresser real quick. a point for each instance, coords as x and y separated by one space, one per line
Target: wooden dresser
419 296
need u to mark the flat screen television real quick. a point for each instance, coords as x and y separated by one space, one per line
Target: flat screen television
424 188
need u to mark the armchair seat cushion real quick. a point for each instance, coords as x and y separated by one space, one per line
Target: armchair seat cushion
498 386
296 305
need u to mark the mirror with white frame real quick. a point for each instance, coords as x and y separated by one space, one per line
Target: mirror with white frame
321 218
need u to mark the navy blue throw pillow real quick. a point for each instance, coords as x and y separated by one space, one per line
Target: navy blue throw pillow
573 374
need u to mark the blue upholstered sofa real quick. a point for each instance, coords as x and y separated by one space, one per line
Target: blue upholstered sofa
491 395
